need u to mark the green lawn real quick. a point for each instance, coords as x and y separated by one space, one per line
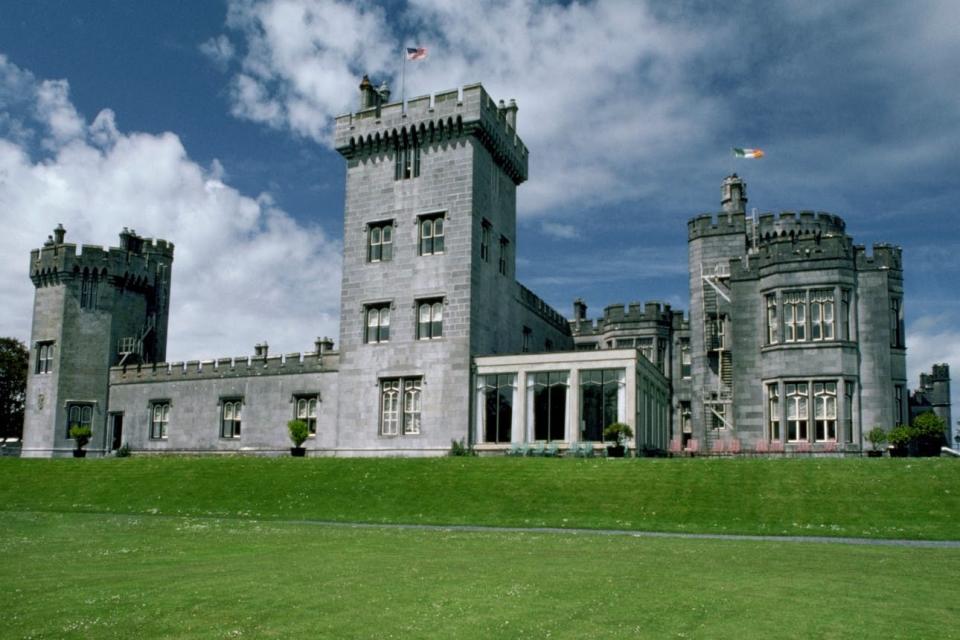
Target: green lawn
75 575
217 548
886 498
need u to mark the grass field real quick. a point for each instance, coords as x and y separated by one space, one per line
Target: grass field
209 548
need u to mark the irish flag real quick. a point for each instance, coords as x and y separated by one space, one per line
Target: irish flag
748 153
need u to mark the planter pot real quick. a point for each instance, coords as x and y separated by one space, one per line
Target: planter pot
298 452
615 451
79 453
874 454
899 452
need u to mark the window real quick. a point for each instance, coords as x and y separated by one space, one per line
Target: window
306 410
686 418
44 357
88 290
602 401
821 314
380 242
685 359
547 404
431 235
645 345
504 247
773 328
794 316
80 415
495 396
662 355
845 314
407 157
896 323
773 411
527 337
231 412
485 230
898 403
159 419
393 391
825 411
848 410
429 319
797 411
377 323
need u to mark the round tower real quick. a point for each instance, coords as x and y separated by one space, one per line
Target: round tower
733 194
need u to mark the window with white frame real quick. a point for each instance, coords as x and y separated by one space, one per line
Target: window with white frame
407 157
400 401
825 411
429 319
798 409
159 419
485 230
495 401
686 418
773 411
380 242
431 234
794 316
547 404
602 401
821 314
44 363
773 326
79 414
686 361
377 323
231 415
306 410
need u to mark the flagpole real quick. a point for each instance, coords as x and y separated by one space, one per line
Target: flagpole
403 81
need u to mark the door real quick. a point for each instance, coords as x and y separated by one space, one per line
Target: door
117 420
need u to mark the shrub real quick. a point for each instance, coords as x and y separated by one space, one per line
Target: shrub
299 432
877 437
123 451
459 449
80 434
618 432
928 433
900 436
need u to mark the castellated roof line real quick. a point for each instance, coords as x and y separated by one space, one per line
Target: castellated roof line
441 116
239 367
769 225
63 260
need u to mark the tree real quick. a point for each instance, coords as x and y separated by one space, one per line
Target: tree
14 361
929 433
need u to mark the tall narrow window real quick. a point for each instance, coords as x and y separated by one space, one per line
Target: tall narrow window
527 339
848 410
431 235
662 356
377 323
773 327
380 242
825 411
79 415
407 157
44 362
896 323
231 414
307 411
602 401
429 319
845 314
159 419
390 407
411 406
88 289
898 403
773 411
400 404
821 314
547 404
485 230
798 408
686 418
794 316
686 362
645 346
495 397
504 249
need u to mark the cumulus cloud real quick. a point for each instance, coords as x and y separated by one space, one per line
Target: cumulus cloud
244 269
219 50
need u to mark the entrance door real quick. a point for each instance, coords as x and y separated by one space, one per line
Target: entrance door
117 419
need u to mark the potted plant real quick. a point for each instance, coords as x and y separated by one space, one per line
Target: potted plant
877 437
298 435
900 438
928 434
81 436
618 433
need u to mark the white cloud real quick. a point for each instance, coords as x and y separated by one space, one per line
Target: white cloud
220 50
558 230
244 270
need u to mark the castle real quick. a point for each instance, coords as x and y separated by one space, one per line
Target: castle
794 340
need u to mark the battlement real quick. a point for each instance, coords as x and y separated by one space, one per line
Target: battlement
542 309
721 224
794 250
885 256
653 312
239 367
136 258
789 223
455 113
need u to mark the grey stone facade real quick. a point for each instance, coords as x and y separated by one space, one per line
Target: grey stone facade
439 342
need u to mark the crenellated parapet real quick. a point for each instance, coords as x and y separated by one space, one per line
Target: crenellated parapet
885 257
133 264
433 119
536 304
616 316
219 368
722 224
789 224
795 250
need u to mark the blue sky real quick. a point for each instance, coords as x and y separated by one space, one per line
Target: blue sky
208 123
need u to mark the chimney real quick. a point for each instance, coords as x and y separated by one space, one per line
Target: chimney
579 310
58 234
511 113
261 350
368 95
323 345
384 93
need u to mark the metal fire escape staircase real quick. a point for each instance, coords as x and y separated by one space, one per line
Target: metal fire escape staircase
718 389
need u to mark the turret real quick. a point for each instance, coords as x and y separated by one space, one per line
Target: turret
733 194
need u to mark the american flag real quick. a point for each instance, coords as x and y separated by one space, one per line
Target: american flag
416 53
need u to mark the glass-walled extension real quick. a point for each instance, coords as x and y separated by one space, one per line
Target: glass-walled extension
562 398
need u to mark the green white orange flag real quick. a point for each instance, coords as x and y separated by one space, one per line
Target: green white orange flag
748 153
